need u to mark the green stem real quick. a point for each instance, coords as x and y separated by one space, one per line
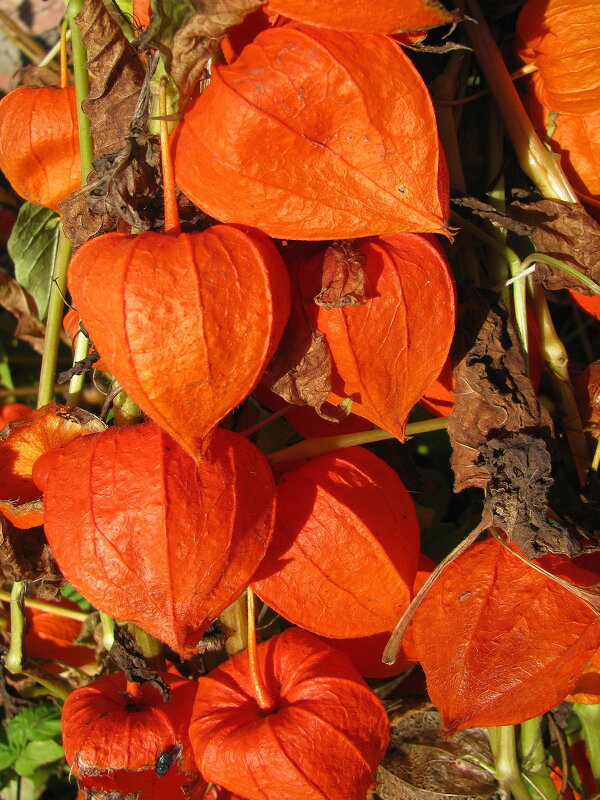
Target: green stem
235 622
14 657
59 611
589 716
108 630
503 744
534 759
54 320
325 444
152 649
82 89
554 262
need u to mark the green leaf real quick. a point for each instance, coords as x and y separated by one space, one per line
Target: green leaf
43 752
33 724
167 17
7 756
73 595
31 246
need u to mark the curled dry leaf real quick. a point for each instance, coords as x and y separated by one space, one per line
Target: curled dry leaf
25 556
345 523
377 347
218 301
587 387
39 144
114 740
22 443
324 738
487 612
314 134
22 306
352 15
126 655
566 232
562 39
154 525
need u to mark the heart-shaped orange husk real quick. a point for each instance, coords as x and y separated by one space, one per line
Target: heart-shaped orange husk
114 740
185 322
325 737
387 352
39 143
314 134
345 523
148 537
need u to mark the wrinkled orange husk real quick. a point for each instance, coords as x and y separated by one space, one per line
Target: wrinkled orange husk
314 134
241 35
366 652
50 638
562 39
345 523
575 138
489 611
389 16
587 688
187 323
11 412
377 348
112 740
324 739
171 545
589 304
21 444
39 143
70 325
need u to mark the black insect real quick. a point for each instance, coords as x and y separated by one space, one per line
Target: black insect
166 759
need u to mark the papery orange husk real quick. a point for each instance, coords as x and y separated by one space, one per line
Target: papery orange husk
171 544
587 688
187 322
241 35
314 134
590 304
366 652
562 39
11 412
388 16
325 737
489 613
377 348
113 739
39 143
21 444
345 524
50 638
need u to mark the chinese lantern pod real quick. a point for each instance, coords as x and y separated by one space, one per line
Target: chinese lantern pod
172 545
345 523
377 347
39 143
325 737
314 134
562 39
349 15
118 742
217 302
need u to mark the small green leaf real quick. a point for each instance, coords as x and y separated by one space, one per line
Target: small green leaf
43 752
73 595
31 246
7 756
35 723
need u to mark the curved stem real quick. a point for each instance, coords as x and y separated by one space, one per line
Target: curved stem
108 630
14 657
64 61
235 621
261 693
503 744
554 262
534 760
310 448
50 608
168 177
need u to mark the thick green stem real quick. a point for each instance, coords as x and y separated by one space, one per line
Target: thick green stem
589 716
325 444
152 649
14 657
235 621
561 265
503 744
54 320
108 630
50 608
534 760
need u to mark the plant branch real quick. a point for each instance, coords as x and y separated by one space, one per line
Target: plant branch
503 744
261 693
534 760
589 716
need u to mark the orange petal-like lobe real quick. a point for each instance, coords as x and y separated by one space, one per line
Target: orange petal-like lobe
314 134
171 544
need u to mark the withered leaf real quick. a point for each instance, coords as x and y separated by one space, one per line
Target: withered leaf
25 556
127 656
37 76
496 421
566 232
491 213
79 224
22 306
343 275
118 77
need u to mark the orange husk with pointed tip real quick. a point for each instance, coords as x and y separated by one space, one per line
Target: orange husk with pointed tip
314 134
325 737
171 544
39 143
187 322
377 348
589 304
587 688
389 16
22 443
114 734
562 39
489 611
345 523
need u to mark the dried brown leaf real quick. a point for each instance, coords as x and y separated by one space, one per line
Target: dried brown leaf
306 379
22 306
25 556
343 275
37 76
199 39
118 77
127 656
566 232
491 213
79 223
